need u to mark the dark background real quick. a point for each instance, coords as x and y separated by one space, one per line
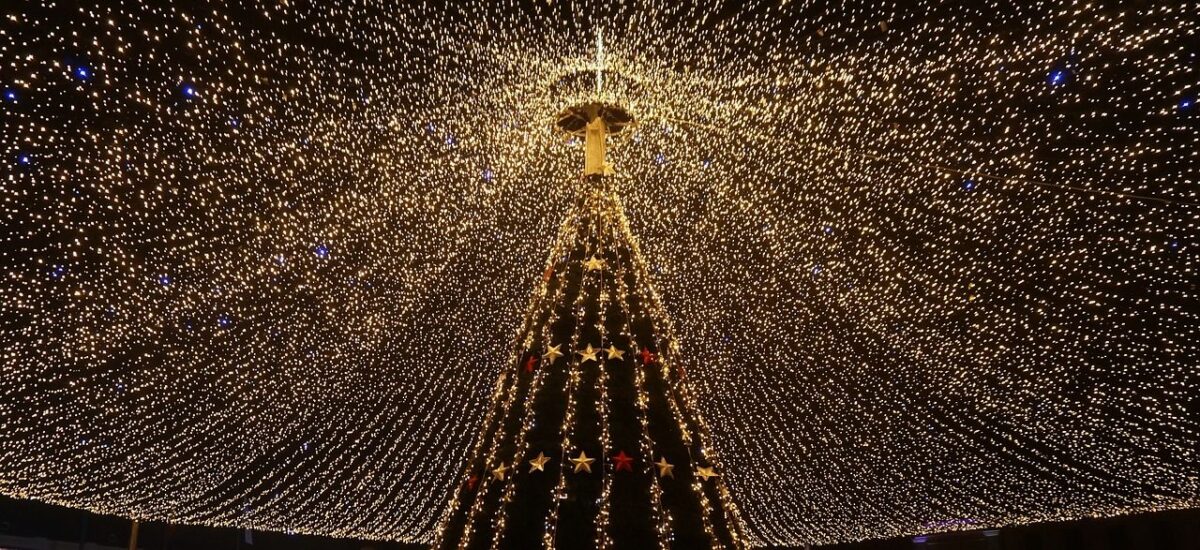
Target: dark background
35 520
1171 530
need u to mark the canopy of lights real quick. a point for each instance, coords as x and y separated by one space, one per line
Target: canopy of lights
931 264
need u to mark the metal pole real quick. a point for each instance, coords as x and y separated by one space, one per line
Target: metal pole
594 146
133 534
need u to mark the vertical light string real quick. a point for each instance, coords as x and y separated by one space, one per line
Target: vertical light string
662 520
587 281
601 216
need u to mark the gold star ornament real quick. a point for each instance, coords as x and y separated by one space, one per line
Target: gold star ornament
706 472
538 464
594 263
665 469
588 354
583 463
498 473
552 353
614 353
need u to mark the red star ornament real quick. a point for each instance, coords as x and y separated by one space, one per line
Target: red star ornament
622 461
647 356
530 363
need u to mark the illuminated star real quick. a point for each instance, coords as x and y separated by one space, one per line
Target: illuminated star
538 464
594 263
583 463
498 473
622 461
614 353
552 353
665 469
706 472
647 356
588 354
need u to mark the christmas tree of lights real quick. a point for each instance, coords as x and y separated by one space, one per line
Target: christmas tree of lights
592 440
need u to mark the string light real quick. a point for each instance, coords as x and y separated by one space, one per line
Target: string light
351 209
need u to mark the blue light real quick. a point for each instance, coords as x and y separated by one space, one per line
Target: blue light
58 272
968 185
660 159
706 163
488 175
224 321
816 270
1185 103
1057 77
164 280
10 96
24 160
321 251
83 73
828 230
190 91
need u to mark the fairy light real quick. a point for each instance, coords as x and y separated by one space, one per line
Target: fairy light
928 266
646 445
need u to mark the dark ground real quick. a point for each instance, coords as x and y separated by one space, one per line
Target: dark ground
33 520
1174 530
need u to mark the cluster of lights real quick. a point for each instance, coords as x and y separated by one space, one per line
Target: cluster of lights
929 267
